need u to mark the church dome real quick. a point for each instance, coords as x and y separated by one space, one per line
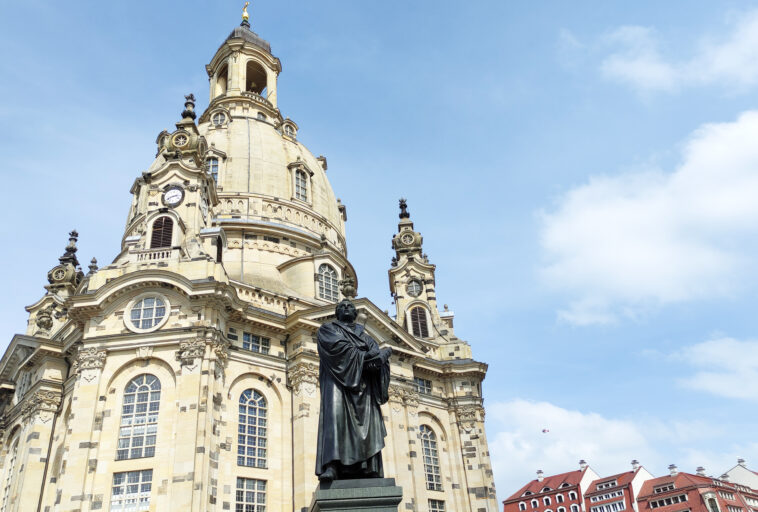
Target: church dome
283 224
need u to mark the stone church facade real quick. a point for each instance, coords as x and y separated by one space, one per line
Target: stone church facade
184 375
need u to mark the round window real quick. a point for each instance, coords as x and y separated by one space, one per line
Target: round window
219 118
147 313
414 288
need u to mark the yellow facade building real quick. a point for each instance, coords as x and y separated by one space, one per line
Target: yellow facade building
184 375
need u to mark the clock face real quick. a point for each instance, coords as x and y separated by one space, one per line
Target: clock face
180 140
173 196
59 274
407 239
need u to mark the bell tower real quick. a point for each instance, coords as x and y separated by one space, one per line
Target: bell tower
412 285
243 74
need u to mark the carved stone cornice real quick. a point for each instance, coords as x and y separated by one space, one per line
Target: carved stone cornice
42 405
303 377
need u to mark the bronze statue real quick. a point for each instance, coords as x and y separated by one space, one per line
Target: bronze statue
354 376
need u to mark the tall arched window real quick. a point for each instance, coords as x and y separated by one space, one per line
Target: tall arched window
139 418
219 249
572 495
328 288
163 229
574 508
8 484
535 503
522 506
251 430
419 326
212 166
301 185
559 498
431 458
546 500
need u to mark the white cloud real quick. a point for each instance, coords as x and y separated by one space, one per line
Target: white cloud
731 61
621 245
727 367
519 447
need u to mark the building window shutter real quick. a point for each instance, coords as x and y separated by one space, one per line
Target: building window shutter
419 326
163 229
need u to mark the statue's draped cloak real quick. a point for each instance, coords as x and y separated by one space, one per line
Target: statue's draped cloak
354 383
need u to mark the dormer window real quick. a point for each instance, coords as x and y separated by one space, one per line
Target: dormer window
301 185
289 130
261 116
212 167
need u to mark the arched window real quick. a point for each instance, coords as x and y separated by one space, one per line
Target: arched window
251 430
535 503
222 80
572 495
139 418
328 288
559 498
301 185
561 509
219 249
10 473
575 508
212 167
163 229
546 500
431 458
522 506
255 78
419 326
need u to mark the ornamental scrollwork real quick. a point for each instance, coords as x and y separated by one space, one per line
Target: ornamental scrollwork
90 358
190 350
42 405
303 377
220 348
468 416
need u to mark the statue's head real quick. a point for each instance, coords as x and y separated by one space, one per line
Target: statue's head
346 312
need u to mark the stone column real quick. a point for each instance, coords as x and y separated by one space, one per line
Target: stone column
40 411
476 457
302 377
80 456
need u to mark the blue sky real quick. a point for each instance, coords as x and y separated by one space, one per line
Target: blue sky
584 175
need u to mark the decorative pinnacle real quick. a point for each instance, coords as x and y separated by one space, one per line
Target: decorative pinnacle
69 256
245 16
348 289
92 266
404 209
189 107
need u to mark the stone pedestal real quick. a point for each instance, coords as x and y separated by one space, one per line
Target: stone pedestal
376 494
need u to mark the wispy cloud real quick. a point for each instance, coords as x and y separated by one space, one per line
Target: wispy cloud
731 60
724 367
619 246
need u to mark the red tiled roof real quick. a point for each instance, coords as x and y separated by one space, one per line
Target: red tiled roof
553 482
622 479
680 481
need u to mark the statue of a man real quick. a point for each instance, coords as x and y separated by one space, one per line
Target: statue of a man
354 376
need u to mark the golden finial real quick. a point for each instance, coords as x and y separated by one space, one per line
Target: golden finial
245 15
